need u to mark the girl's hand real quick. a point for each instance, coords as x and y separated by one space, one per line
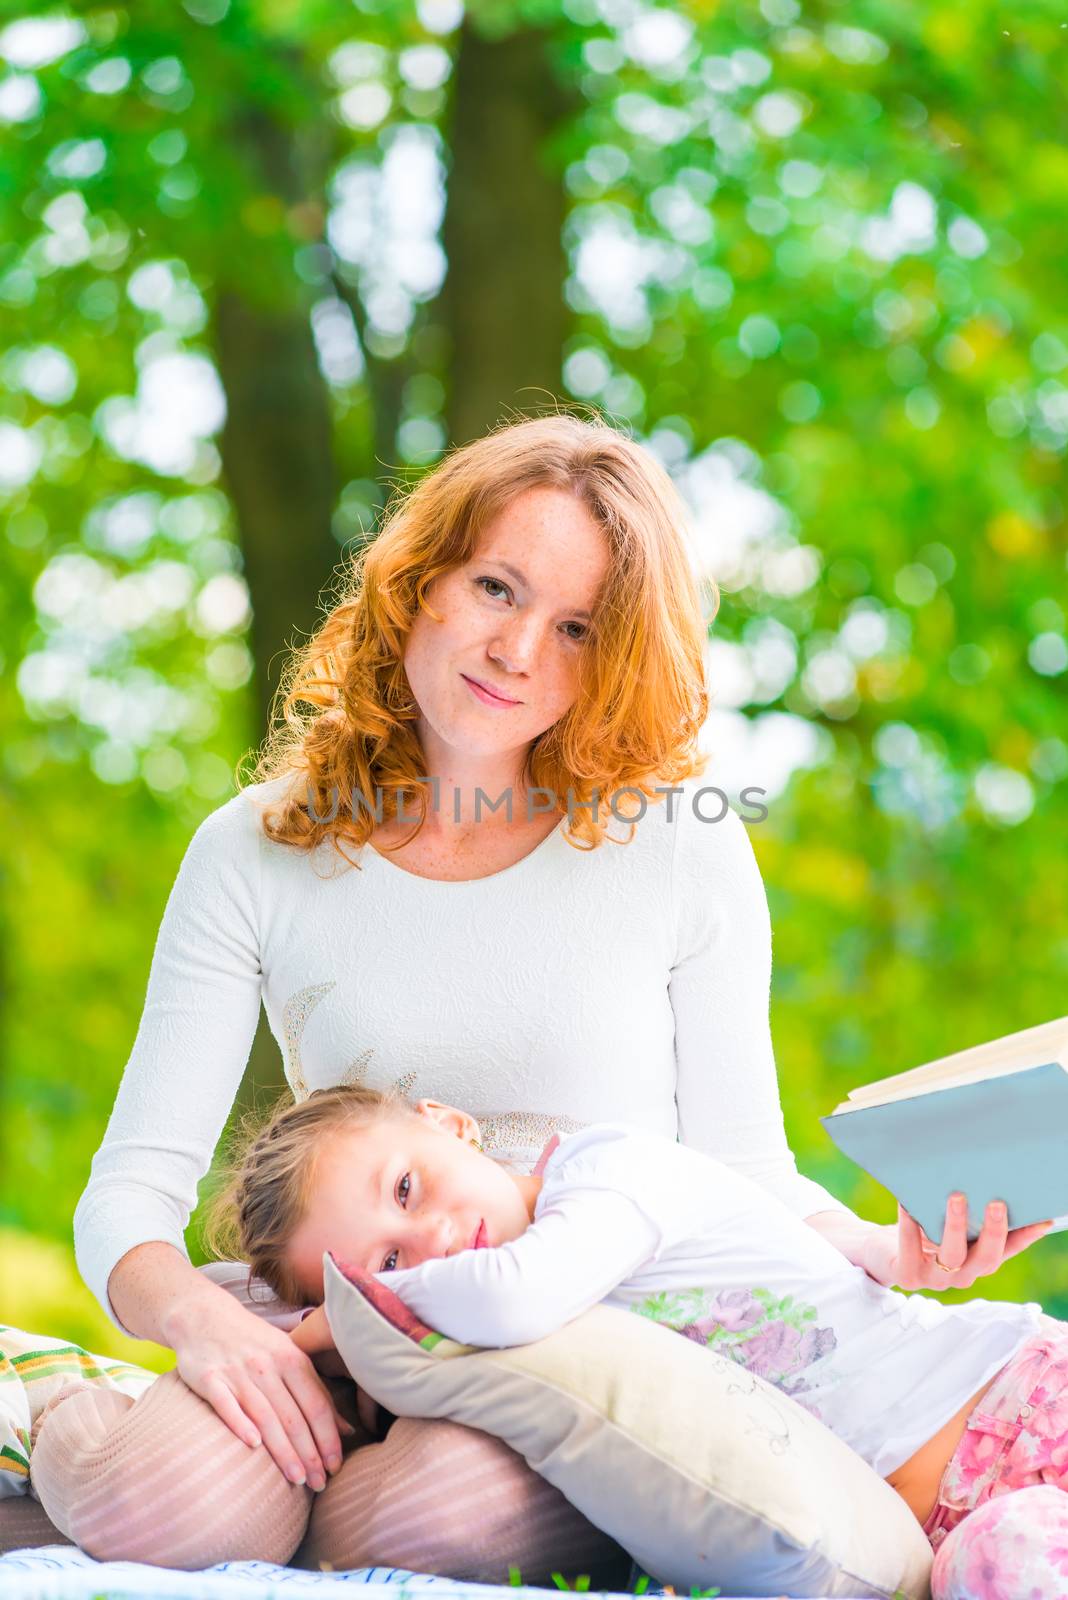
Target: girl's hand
901 1256
266 1389
313 1335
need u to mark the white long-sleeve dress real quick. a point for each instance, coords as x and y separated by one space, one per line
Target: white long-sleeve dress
630 983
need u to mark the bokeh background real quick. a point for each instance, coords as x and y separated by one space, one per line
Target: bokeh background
261 261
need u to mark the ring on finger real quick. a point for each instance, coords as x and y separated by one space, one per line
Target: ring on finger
943 1268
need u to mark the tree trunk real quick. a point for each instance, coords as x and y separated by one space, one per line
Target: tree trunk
503 300
277 443
276 451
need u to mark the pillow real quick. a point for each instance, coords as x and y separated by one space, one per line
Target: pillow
34 1370
703 1472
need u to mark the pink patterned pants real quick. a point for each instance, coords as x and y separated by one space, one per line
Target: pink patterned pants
1000 1527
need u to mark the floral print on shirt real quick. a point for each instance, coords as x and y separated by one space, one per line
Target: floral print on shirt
774 1338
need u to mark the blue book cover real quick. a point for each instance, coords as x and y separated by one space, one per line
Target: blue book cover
1004 1138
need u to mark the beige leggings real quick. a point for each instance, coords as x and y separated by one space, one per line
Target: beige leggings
163 1479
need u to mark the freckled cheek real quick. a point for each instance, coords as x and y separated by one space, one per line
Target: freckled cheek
462 625
563 686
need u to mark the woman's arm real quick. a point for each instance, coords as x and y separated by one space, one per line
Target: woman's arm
899 1254
258 1380
727 1092
191 1048
726 1087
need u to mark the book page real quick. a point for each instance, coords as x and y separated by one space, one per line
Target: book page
1032 1047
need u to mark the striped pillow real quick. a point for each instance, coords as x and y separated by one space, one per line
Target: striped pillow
33 1370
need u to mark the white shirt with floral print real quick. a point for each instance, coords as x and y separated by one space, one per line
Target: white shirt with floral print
638 1221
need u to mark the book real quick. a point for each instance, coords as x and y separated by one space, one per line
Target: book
990 1122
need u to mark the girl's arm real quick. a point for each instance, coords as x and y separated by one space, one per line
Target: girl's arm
312 1333
582 1245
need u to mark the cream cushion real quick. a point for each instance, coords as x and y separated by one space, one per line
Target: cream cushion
704 1472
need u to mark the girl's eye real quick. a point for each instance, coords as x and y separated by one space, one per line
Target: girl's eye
404 1188
576 638
390 1263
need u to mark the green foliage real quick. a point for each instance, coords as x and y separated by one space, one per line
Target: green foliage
581 1585
39 1279
814 258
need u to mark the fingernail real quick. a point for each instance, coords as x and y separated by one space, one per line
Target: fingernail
997 1209
296 1474
317 1482
332 1463
958 1202
253 1441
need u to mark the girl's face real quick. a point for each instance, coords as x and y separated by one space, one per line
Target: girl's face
403 1191
514 618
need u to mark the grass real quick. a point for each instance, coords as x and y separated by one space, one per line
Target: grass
582 1583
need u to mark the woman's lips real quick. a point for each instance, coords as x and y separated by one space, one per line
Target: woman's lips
487 696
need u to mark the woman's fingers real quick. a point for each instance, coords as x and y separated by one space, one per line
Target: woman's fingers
1019 1238
953 1263
285 1432
224 1402
952 1252
996 1245
988 1251
320 1415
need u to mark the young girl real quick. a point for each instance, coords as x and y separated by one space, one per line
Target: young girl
952 1404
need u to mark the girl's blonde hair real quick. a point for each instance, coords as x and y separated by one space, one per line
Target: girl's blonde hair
263 1198
347 723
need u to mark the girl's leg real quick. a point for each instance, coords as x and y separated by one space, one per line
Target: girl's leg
1014 1545
1000 1527
161 1479
436 1496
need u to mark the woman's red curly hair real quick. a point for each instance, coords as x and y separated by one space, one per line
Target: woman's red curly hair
347 725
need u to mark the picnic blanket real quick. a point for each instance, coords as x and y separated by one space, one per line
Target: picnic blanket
61 1572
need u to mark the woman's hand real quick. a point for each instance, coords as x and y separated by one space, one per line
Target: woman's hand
266 1389
901 1256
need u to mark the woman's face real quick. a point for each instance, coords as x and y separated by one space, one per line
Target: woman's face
514 619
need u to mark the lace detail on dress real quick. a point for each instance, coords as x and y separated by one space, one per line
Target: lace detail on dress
295 1014
507 1131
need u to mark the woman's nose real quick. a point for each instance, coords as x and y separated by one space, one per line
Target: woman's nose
517 642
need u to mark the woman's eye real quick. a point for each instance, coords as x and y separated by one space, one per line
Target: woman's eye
496 583
390 1263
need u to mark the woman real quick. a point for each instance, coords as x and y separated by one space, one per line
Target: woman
525 627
